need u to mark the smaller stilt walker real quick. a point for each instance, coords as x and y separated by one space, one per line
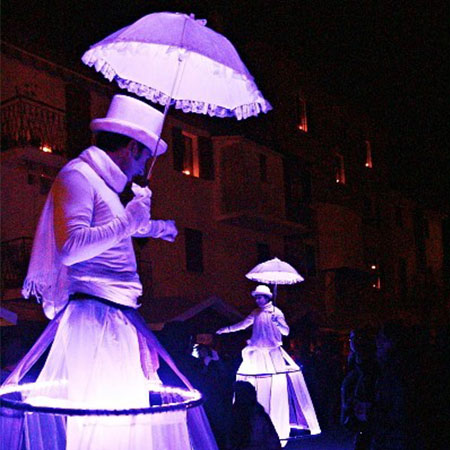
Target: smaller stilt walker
278 380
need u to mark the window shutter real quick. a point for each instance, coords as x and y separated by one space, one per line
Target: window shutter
178 148
206 158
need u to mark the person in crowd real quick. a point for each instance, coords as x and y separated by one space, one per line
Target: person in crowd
83 270
278 380
217 390
358 387
388 419
328 364
251 427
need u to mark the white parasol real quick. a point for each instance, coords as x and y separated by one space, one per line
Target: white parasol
274 272
173 58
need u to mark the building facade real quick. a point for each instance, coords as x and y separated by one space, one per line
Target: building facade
308 183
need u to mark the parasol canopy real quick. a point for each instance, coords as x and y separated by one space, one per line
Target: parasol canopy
173 58
275 272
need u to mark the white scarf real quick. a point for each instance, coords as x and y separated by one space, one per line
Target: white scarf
47 276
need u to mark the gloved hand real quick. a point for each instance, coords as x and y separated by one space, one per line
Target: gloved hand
145 194
140 191
222 330
137 213
169 232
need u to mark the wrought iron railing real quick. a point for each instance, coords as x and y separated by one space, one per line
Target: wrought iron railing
15 255
26 121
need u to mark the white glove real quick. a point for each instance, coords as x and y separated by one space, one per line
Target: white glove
222 330
143 193
168 230
140 191
137 213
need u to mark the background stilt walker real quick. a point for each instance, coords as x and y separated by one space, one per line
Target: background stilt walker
279 382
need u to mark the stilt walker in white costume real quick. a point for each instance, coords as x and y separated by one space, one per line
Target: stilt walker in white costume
83 269
278 380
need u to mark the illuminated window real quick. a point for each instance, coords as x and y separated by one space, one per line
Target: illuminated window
369 164
302 118
339 169
45 148
192 155
374 268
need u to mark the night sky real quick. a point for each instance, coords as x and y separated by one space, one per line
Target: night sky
386 56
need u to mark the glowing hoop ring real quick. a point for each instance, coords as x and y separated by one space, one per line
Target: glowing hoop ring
256 375
192 399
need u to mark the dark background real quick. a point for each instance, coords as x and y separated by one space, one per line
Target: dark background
386 56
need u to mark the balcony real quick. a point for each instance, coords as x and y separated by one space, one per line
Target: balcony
28 122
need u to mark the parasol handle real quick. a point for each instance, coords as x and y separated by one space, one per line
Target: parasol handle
181 57
274 298
153 160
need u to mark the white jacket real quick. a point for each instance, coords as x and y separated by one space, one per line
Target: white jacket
268 323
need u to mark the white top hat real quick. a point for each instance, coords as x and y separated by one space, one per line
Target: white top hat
135 119
262 290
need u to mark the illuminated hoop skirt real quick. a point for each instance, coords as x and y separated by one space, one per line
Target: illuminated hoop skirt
96 361
280 388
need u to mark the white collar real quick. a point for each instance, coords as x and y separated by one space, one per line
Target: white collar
105 167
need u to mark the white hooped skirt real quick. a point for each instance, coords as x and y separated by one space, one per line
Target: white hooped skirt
280 388
95 362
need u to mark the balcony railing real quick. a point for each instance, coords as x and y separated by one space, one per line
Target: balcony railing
15 256
27 121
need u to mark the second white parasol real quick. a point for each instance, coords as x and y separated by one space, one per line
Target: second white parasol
274 271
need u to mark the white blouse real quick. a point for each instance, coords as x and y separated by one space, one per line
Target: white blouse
92 231
268 323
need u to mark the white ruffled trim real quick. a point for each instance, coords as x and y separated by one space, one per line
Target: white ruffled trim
267 280
194 106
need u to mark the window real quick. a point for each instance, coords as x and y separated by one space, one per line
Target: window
375 275
399 216
367 209
302 118
426 229
45 183
403 277
298 190
339 169
192 155
262 167
194 250
310 260
263 252
369 163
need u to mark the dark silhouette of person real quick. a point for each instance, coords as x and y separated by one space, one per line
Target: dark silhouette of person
388 417
251 427
358 387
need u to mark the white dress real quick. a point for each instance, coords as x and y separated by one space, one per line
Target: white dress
278 380
100 358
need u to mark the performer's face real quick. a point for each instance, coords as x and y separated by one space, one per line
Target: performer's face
137 162
140 160
261 300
